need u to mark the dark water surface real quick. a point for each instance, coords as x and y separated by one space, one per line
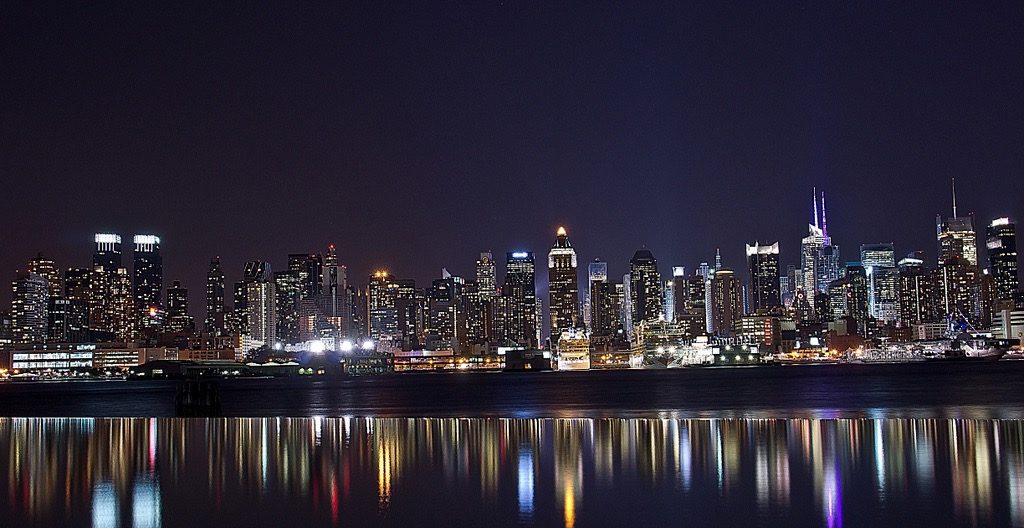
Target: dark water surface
148 472
872 445
930 390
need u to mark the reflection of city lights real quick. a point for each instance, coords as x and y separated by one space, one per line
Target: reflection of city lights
525 483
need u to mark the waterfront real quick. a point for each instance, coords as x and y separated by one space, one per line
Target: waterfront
497 472
980 390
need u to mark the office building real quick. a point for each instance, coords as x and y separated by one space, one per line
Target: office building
148 280
916 292
725 302
178 318
520 323
956 237
108 252
645 295
216 312
1001 243
29 321
563 285
763 270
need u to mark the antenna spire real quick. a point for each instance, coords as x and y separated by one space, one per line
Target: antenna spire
814 199
824 220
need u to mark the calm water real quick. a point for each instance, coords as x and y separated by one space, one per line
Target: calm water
934 390
930 444
486 472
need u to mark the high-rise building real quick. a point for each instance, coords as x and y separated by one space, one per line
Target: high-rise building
446 321
958 291
725 306
879 262
520 323
287 297
309 268
597 276
1001 244
644 287
956 237
382 295
411 317
148 280
45 267
215 322
563 285
260 304
28 308
178 318
916 291
763 269
848 297
486 277
334 300
819 259
108 252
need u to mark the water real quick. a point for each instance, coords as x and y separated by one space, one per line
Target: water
501 472
937 444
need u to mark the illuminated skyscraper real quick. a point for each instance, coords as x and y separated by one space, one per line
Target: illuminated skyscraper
520 321
879 263
215 322
1002 258
819 259
916 292
260 304
28 308
848 297
563 285
603 308
486 277
148 280
108 252
309 268
763 269
726 302
644 287
334 299
45 267
382 295
446 327
287 293
956 237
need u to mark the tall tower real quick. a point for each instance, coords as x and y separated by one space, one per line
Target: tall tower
563 285
763 267
108 252
520 322
178 319
819 259
599 322
725 296
260 311
644 287
956 236
215 310
1002 258
486 278
148 279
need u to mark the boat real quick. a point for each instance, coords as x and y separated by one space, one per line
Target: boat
978 346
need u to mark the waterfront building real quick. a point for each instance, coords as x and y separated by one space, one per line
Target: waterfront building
563 285
1008 324
764 330
29 321
763 270
1001 244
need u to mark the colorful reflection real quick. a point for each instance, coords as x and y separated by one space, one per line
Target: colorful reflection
570 472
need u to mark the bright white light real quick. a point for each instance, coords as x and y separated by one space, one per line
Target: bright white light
316 347
346 346
520 254
278 346
146 239
367 345
108 238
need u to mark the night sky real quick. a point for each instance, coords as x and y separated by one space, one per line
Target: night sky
413 136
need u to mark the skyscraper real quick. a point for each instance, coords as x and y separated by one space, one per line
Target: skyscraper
287 293
848 297
956 236
309 268
916 292
178 318
382 295
215 322
108 252
260 304
726 298
1001 244
602 312
520 322
28 308
148 279
563 285
446 319
486 278
819 259
334 299
763 269
879 262
45 267
644 287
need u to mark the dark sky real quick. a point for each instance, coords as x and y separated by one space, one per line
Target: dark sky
415 135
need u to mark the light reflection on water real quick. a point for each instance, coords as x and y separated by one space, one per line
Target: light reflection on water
570 472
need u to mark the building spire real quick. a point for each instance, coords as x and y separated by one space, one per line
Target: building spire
824 219
953 182
718 258
814 199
